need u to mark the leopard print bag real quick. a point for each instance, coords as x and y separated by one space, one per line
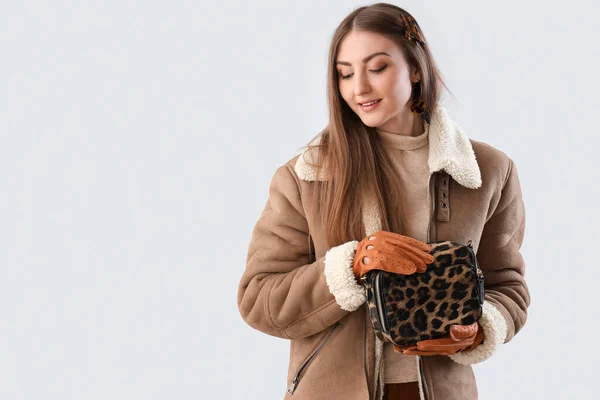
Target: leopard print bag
407 308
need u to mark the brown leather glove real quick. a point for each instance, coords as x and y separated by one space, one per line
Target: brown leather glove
392 252
461 338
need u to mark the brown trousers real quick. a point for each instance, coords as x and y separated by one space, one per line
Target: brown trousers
401 391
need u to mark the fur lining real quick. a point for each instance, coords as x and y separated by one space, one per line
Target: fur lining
494 330
449 149
370 217
348 293
303 167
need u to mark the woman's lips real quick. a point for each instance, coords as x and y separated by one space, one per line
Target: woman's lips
370 106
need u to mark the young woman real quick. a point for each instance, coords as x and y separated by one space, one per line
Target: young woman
390 167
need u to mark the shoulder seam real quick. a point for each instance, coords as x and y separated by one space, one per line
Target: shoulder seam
298 185
510 167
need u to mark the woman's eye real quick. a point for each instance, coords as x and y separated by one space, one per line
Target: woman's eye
380 69
372 70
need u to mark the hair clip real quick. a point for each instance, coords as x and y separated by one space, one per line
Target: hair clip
411 31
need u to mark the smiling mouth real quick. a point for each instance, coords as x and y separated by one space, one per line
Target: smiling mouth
369 103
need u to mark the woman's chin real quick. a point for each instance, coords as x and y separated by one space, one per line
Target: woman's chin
372 121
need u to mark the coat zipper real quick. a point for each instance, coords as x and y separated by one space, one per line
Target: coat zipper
423 382
311 357
365 351
378 276
431 214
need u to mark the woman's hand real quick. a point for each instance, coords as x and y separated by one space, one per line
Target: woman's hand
392 252
461 338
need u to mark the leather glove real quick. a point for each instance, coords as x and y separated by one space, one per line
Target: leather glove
461 338
392 252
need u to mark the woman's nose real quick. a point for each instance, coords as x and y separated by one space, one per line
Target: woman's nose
361 85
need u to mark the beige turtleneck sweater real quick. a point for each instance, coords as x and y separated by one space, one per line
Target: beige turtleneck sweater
409 155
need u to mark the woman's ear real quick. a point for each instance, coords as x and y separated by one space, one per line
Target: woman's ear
415 75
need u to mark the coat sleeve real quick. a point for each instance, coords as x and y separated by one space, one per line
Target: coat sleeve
283 293
506 294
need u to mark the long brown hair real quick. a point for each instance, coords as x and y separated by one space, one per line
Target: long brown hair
351 152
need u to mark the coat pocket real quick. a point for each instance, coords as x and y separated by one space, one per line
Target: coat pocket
302 370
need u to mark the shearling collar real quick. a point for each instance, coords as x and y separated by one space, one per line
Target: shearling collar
449 149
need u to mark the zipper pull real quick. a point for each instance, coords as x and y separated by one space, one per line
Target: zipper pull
293 386
470 243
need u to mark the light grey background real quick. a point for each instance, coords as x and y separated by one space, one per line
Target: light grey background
138 142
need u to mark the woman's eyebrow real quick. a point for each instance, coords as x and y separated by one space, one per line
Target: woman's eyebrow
367 58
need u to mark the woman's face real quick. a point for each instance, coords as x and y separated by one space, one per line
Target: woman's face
373 68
